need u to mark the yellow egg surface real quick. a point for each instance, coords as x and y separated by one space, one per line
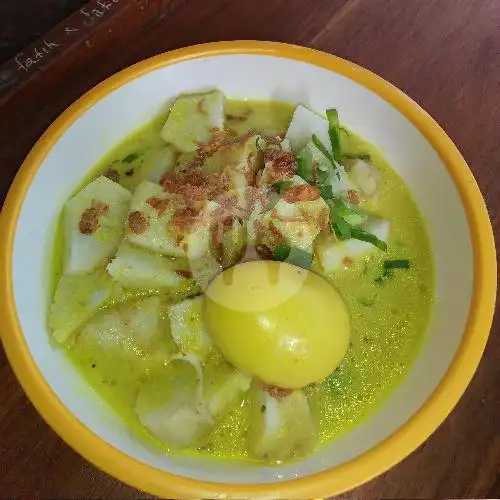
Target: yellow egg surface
283 324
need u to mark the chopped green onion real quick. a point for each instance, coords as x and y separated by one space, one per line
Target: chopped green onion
282 186
352 214
342 228
293 255
322 177
322 148
326 192
334 133
362 235
397 264
345 220
300 258
304 166
360 156
281 252
389 266
131 157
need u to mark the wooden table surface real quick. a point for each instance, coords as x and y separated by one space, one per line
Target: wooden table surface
445 54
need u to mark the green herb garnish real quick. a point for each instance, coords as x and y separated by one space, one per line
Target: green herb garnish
281 252
326 192
334 133
131 157
360 234
397 264
293 255
389 266
360 156
345 220
322 148
282 186
351 213
342 228
312 174
300 258
304 166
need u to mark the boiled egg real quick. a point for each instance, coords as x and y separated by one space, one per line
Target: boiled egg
282 324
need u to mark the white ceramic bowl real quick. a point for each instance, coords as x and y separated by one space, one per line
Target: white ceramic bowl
415 146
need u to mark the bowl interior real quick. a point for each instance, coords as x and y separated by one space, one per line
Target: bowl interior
255 77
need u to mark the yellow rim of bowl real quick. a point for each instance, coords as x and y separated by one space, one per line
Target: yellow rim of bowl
330 482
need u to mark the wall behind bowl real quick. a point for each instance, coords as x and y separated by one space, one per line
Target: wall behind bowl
253 77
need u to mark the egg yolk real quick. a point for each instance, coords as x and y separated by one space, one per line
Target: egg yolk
283 324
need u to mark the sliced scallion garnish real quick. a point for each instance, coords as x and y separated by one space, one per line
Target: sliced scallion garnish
389 266
352 214
334 133
282 186
360 156
281 252
342 228
326 192
304 166
323 149
360 234
293 255
131 157
397 264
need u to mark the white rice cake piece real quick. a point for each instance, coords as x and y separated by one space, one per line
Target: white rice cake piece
187 327
239 152
365 177
149 224
309 215
93 225
157 162
133 335
332 253
223 388
127 327
175 414
281 428
138 269
192 119
304 124
78 297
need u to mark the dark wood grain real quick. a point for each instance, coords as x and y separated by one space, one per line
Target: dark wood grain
443 53
22 24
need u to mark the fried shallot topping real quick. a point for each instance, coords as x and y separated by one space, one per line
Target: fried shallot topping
89 221
138 222
302 192
281 164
